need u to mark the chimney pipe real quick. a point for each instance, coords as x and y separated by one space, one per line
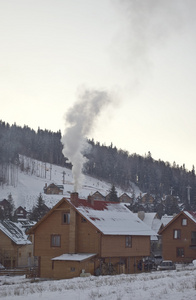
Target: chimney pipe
90 200
74 198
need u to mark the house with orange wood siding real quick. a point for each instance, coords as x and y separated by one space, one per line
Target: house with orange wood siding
179 238
85 236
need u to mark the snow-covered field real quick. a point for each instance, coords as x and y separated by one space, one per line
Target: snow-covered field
166 285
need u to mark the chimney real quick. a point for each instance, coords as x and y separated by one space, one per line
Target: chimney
74 198
90 200
141 215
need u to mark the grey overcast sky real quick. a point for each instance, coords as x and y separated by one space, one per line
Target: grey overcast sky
142 52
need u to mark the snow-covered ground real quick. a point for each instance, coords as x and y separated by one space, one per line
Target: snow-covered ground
29 185
166 285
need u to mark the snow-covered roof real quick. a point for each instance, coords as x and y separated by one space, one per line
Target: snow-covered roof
148 218
113 218
74 257
166 219
191 215
15 232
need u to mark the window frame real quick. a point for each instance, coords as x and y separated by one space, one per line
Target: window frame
184 219
193 237
67 221
128 241
53 242
178 236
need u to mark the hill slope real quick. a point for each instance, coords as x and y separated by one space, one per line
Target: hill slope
30 183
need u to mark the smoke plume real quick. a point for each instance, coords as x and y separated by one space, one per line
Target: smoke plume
80 121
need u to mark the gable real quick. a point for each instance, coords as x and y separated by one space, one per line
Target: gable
98 196
180 216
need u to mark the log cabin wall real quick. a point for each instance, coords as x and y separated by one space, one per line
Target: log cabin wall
112 246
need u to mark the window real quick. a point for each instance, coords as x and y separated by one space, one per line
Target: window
128 241
55 240
177 234
184 222
83 220
180 252
66 218
73 269
193 237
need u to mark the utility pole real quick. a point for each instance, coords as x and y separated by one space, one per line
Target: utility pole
171 189
50 171
64 177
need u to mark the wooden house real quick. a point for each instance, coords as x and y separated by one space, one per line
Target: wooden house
179 238
20 213
15 248
98 196
125 198
96 236
53 189
147 198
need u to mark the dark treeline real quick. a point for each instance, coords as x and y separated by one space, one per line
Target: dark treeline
42 145
157 178
118 167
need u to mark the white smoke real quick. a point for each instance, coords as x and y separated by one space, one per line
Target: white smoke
147 26
80 120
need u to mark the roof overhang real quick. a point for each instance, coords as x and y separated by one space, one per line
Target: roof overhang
74 257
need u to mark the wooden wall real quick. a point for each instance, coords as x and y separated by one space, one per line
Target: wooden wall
12 255
52 225
8 251
112 246
71 269
88 237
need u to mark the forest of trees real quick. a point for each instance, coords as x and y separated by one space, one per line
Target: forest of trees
113 165
157 178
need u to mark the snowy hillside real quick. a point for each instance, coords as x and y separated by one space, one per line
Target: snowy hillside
30 183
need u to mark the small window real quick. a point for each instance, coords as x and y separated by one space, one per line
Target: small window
128 241
83 220
177 234
55 240
193 237
66 218
180 252
73 269
184 222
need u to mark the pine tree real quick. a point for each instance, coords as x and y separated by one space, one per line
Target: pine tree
39 210
113 194
11 206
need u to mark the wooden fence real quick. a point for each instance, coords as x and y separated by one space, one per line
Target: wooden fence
28 272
